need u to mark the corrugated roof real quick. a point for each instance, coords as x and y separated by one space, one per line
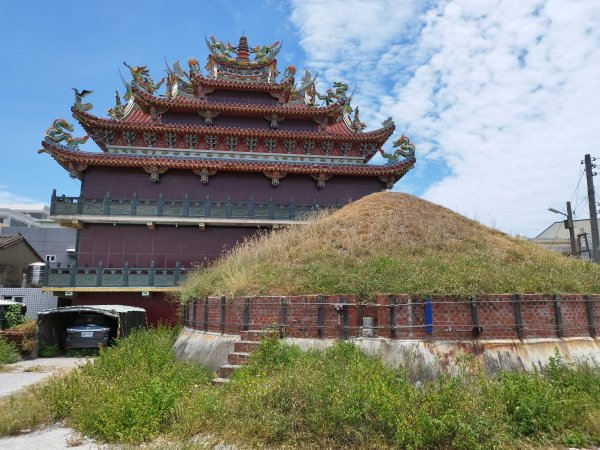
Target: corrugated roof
109 308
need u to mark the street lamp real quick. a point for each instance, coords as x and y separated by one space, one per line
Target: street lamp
569 226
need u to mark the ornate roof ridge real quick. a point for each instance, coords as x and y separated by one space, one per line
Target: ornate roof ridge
74 160
193 103
89 120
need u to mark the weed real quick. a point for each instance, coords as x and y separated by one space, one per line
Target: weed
25 410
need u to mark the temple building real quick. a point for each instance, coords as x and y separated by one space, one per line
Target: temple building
194 163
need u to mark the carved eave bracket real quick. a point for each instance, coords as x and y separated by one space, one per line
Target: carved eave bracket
208 115
275 119
321 122
275 177
156 113
76 169
155 172
204 174
321 178
390 180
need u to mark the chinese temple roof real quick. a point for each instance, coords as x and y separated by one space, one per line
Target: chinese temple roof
238 114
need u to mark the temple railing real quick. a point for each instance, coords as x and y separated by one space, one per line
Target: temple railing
207 208
73 276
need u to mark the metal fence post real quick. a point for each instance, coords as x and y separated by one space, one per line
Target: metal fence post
392 301
344 302
282 317
558 316
246 315
205 314
223 304
518 318
477 329
320 316
590 315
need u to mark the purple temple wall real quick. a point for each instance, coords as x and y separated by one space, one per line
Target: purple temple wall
174 184
139 246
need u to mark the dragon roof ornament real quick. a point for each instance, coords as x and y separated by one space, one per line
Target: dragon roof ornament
240 55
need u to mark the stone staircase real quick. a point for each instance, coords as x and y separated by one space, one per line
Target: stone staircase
241 352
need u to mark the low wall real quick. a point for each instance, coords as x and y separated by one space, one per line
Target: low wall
207 349
506 316
422 359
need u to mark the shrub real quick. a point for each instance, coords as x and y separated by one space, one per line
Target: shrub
8 352
29 345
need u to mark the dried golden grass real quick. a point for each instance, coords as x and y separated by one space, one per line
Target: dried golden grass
391 242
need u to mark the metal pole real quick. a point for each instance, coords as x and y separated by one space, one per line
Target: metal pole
592 201
571 228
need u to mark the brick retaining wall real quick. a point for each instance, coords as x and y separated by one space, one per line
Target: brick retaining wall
505 316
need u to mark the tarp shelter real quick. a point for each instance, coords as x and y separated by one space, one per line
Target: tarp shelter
52 324
4 305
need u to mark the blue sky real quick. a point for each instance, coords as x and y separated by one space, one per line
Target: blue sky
500 97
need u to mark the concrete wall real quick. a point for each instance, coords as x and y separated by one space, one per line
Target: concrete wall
422 360
207 349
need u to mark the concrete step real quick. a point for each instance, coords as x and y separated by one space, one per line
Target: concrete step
226 370
237 358
257 335
245 346
219 381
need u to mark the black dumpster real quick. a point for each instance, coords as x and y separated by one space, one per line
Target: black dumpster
120 319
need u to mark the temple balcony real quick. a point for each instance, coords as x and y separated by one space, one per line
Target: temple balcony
82 279
74 211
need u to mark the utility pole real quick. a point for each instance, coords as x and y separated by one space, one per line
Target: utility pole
592 201
569 225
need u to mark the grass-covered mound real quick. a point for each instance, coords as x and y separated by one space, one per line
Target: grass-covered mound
391 243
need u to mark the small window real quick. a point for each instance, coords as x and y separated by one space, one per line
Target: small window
50 258
18 299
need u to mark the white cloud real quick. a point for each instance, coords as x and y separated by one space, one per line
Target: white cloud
505 93
7 197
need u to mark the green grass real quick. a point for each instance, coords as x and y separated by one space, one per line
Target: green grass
334 398
391 243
